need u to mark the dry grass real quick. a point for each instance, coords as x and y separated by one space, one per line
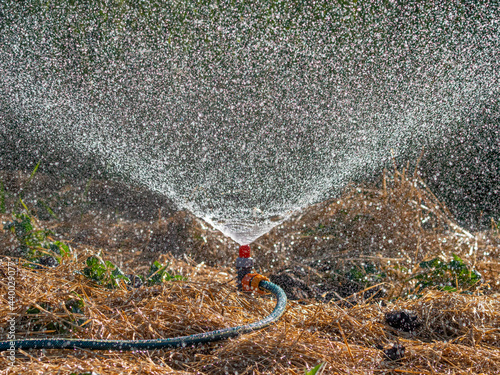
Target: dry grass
397 224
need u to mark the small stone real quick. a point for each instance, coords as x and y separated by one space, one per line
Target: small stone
135 281
403 320
395 353
48 261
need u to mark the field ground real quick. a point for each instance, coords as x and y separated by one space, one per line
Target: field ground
345 264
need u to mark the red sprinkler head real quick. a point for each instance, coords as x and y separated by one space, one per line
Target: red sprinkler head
244 264
244 251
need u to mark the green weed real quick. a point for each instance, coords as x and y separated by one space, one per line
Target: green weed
108 274
316 369
158 274
20 195
76 318
357 278
451 276
36 245
33 173
104 272
44 205
365 274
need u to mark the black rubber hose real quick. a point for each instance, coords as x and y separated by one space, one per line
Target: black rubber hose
61 343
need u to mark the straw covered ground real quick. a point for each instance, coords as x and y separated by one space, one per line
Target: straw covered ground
347 265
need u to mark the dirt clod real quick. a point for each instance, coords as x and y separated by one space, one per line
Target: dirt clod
406 321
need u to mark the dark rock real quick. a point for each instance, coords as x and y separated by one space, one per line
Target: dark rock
406 321
135 281
48 261
395 353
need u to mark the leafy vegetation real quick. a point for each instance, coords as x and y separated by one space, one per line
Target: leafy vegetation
36 245
108 274
76 316
39 248
366 273
358 278
104 272
315 370
451 276
158 274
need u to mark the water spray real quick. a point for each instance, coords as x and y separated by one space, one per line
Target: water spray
247 282
293 113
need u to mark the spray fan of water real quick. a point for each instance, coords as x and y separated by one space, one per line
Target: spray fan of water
243 113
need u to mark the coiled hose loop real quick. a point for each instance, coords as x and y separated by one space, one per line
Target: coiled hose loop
61 343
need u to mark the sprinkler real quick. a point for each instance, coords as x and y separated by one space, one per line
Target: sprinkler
244 265
248 282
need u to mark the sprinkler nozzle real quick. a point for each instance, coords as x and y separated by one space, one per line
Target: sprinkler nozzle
244 264
244 251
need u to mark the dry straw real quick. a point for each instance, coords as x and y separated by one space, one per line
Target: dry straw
399 223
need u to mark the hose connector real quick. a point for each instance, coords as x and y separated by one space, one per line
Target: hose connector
251 281
244 264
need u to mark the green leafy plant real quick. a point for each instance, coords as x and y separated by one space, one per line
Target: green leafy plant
158 274
35 323
357 278
75 306
104 272
366 274
25 185
450 276
316 369
108 274
36 245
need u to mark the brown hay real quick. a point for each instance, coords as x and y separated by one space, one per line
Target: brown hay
460 333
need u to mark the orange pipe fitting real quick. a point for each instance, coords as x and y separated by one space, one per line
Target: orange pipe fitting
250 282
